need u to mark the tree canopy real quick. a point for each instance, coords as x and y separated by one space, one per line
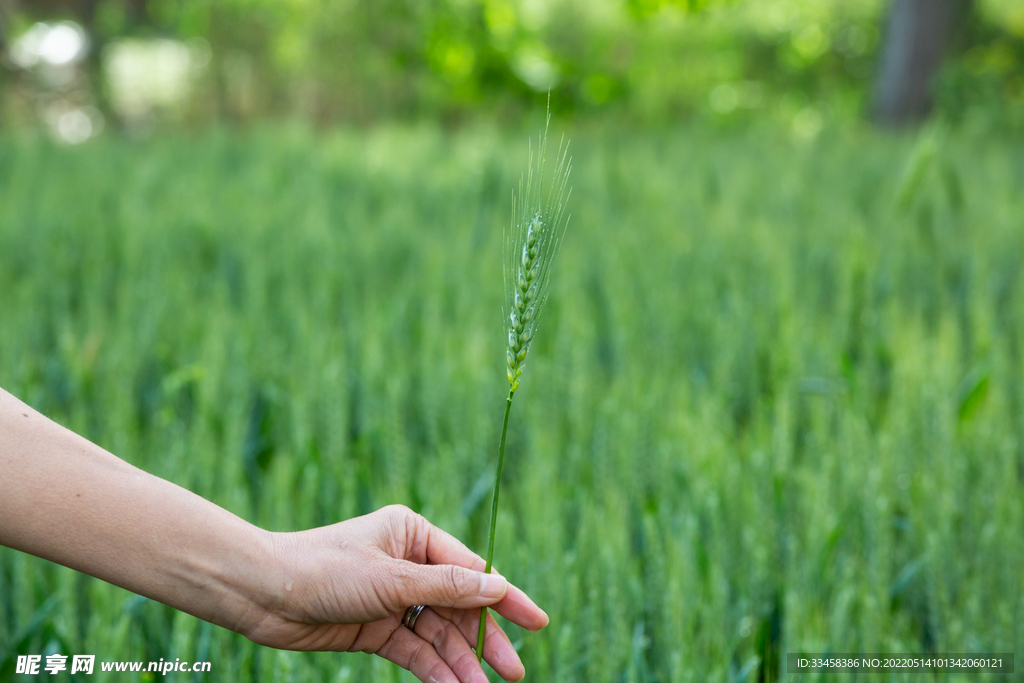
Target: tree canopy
648 60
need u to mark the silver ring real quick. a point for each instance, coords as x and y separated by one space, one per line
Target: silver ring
411 615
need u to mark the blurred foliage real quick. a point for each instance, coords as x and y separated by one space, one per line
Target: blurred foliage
777 404
802 61
984 87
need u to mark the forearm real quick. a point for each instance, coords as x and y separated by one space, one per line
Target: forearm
67 500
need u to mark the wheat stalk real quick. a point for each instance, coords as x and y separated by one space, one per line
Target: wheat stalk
538 225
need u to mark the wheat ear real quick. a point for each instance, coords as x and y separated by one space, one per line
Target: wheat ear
531 244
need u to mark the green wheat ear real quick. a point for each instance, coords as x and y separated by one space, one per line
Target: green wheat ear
538 225
531 244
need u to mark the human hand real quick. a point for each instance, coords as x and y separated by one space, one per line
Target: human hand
346 587
342 587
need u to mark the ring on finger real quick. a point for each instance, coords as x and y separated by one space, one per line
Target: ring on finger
411 615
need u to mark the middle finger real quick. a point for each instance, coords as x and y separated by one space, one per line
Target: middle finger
498 650
451 644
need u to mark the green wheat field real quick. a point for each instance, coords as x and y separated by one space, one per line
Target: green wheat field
776 402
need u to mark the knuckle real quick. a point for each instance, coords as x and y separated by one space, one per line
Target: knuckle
400 525
443 637
396 514
454 582
416 653
460 616
466 662
437 672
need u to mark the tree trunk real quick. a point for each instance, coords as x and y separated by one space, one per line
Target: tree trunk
917 38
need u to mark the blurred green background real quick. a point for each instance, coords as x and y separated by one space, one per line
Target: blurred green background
776 403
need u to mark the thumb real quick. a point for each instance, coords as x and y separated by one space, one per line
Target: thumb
445 585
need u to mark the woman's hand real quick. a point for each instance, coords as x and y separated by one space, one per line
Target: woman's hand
341 587
347 587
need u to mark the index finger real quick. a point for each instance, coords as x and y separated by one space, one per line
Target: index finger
443 548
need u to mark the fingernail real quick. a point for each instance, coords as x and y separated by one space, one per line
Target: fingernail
492 586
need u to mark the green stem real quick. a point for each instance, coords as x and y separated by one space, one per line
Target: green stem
494 522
